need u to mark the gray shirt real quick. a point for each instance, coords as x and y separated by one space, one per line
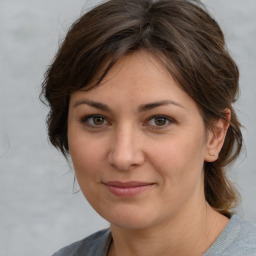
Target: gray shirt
238 238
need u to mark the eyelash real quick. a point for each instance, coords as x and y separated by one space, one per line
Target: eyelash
168 121
85 121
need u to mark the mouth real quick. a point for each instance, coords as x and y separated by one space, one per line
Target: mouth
127 189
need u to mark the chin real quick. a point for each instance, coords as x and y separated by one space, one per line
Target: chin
131 223
129 217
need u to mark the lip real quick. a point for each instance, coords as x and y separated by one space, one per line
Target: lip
127 189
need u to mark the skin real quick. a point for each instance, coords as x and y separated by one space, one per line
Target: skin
163 145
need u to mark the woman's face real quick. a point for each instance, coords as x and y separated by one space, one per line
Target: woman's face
138 144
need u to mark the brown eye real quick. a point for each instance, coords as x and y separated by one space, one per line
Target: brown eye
94 121
98 120
160 121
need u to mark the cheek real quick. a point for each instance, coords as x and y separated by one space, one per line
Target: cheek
86 153
179 159
87 161
180 167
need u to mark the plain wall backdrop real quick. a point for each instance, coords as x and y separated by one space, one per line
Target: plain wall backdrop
38 211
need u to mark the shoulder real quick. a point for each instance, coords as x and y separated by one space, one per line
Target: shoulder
245 240
237 238
96 244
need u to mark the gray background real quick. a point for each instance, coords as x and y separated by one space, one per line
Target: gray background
38 211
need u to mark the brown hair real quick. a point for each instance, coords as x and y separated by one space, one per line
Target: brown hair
191 45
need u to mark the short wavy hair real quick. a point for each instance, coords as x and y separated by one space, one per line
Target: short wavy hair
184 36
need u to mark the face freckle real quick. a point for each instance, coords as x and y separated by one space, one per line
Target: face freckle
144 153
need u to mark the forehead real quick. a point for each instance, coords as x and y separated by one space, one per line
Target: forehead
137 78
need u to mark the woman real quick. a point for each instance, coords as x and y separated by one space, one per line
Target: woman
140 97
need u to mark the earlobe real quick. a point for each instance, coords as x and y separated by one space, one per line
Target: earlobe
216 137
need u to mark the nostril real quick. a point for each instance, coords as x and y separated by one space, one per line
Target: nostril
123 161
125 151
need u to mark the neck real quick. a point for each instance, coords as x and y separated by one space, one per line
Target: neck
186 234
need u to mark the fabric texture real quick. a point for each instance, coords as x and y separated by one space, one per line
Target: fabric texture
238 238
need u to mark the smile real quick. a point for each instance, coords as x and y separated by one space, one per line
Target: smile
127 189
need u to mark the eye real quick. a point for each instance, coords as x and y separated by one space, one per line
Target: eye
94 121
159 121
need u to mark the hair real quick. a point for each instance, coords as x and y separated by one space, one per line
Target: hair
183 35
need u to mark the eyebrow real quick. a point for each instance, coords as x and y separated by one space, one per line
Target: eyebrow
141 108
149 106
93 104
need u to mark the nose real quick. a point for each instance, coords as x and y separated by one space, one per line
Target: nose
126 151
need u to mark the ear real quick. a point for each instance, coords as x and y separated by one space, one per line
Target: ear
216 137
